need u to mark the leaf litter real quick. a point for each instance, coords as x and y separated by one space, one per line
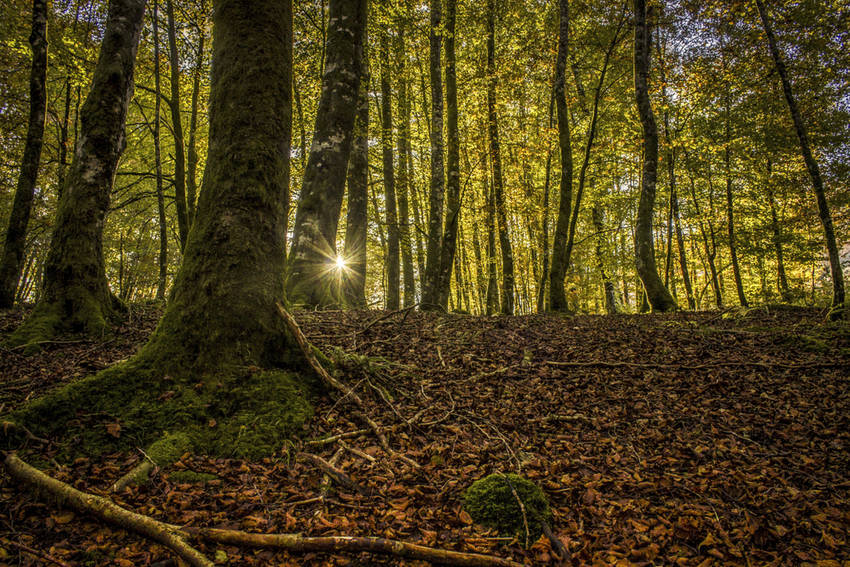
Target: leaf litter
700 439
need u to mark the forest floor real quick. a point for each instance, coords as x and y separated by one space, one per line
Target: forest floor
718 438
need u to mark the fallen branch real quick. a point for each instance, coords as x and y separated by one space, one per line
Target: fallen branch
747 364
307 350
105 510
338 475
12 426
174 537
137 475
37 553
300 543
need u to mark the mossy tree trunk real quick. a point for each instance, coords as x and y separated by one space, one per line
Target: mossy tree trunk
656 292
313 251
76 296
222 308
183 221
14 246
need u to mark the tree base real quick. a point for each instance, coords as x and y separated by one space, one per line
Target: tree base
238 413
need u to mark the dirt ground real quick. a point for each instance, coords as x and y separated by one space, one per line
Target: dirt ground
718 438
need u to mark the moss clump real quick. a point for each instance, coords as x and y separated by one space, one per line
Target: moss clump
490 501
191 477
168 449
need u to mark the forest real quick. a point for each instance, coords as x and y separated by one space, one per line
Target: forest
496 282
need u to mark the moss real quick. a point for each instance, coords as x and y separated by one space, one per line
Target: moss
490 501
244 414
191 477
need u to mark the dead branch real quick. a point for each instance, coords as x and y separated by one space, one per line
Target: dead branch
12 426
174 537
308 350
37 553
105 510
742 364
138 474
300 543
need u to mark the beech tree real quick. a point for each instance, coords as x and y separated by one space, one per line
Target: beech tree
313 252
76 295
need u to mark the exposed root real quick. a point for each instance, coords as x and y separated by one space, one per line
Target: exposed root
174 537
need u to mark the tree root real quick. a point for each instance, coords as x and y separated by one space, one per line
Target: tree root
105 510
307 350
174 537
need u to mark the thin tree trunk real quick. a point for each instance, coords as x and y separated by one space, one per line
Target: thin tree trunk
611 306
403 180
393 265
544 249
707 239
449 240
183 221
507 303
730 212
160 194
492 272
15 244
314 235
557 296
657 294
431 289
680 241
782 280
811 165
192 150
357 216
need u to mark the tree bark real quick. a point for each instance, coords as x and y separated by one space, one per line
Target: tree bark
449 241
183 222
507 303
393 258
192 150
430 291
354 277
811 165
657 294
76 296
15 244
160 194
313 250
557 297
404 178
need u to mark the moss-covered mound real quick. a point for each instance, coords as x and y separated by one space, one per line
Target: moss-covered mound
246 413
491 502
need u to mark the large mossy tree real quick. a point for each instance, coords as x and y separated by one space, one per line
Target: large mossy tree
75 295
213 369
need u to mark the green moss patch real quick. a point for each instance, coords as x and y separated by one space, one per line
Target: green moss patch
191 477
244 413
491 502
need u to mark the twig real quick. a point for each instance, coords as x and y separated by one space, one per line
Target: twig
356 451
307 350
521 508
753 363
338 475
12 426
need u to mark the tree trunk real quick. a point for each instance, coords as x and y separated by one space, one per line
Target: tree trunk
192 150
313 251
492 271
183 222
14 246
76 296
611 306
657 294
811 165
782 280
449 241
393 260
507 303
403 180
680 241
431 288
557 297
354 277
160 194
730 211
